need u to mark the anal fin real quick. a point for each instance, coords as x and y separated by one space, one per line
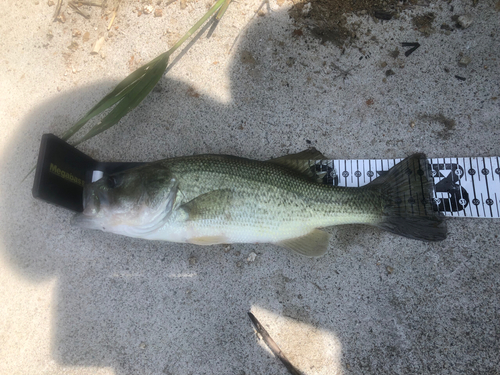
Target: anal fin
313 244
208 240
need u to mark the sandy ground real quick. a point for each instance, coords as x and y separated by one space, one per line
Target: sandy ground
84 302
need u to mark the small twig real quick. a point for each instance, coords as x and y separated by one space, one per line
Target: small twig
78 10
113 16
272 345
89 3
317 286
343 73
57 10
411 50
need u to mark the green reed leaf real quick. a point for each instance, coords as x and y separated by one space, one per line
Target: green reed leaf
134 95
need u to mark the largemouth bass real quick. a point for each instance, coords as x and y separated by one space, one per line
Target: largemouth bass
219 199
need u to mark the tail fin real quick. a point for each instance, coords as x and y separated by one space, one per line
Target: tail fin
407 190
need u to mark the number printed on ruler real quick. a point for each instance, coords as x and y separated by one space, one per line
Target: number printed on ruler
464 187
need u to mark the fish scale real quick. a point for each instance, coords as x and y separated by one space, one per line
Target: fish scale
273 186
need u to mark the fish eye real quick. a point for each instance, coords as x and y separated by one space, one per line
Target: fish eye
111 182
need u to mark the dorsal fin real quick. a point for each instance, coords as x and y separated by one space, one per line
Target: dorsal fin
301 163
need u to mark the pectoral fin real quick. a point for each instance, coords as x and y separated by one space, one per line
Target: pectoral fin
208 206
314 244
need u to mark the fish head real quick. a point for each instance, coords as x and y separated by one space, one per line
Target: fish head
133 202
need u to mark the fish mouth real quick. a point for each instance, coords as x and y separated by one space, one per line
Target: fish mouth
93 198
93 202
85 221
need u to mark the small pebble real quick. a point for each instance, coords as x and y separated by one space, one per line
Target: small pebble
306 9
73 46
251 257
389 72
192 261
464 61
389 269
465 21
61 18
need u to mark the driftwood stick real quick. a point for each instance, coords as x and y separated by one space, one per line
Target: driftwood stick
273 346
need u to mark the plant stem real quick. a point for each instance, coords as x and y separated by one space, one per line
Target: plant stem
196 26
222 10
